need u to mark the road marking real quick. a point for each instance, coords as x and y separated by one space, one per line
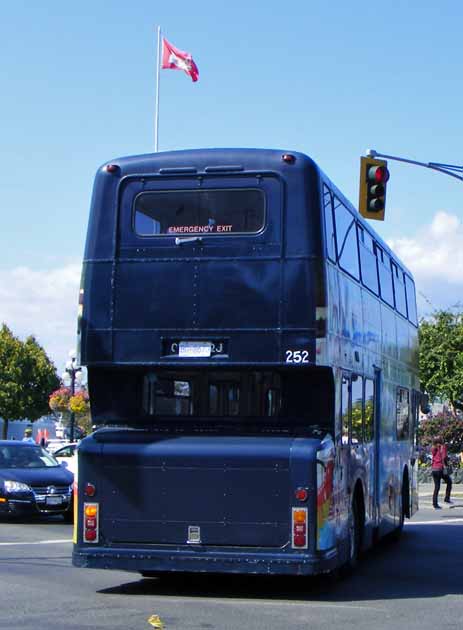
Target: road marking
440 522
38 542
278 602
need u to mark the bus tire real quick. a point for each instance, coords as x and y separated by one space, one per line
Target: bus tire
354 536
397 533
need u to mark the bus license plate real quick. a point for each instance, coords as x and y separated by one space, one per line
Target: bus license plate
194 349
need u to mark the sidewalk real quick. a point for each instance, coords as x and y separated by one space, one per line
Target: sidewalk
425 491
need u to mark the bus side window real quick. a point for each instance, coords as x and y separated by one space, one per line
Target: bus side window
368 265
403 413
411 300
369 426
399 289
415 416
329 225
385 276
356 415
345 409
346 239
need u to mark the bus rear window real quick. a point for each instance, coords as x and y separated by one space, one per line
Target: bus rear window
205 212
291 398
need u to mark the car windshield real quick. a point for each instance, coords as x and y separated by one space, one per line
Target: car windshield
12 456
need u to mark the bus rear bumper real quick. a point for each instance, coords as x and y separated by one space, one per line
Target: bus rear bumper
202 561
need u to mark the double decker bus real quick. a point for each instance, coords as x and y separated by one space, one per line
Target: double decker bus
251 346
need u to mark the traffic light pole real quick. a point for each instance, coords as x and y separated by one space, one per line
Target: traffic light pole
447 169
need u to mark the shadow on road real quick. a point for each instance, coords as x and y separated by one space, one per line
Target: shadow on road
423 564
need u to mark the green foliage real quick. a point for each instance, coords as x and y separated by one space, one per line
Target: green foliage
447 426
441 356
27 376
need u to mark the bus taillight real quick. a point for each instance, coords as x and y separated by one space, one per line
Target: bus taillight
90 490
299 523
301 494
91 513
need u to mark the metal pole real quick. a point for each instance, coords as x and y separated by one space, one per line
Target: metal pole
435 166
156 113
73 388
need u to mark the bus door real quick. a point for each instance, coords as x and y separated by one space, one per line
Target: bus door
416 398
360 435
373 435
351 454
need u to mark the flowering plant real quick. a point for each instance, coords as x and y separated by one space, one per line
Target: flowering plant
79 403
59 399
448 426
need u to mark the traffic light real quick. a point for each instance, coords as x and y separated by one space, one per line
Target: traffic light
373 180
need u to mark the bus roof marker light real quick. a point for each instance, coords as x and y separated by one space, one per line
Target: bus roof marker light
112 168
289 158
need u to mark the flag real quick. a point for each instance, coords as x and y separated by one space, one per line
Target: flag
176 59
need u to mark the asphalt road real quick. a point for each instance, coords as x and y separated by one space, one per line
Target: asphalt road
416 584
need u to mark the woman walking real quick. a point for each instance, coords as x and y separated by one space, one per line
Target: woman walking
439 464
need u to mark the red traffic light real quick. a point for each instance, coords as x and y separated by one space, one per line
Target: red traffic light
378 174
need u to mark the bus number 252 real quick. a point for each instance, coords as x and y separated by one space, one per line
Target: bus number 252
297 356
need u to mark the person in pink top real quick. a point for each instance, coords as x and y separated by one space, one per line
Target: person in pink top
439 460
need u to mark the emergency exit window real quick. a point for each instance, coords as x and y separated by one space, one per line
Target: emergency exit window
203 212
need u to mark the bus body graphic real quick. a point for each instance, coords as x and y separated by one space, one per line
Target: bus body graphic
251 346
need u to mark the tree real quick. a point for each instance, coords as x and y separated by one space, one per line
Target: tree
441 356
27 376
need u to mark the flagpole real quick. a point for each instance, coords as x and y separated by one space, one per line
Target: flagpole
156 114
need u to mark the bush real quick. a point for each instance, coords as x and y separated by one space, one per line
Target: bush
446 425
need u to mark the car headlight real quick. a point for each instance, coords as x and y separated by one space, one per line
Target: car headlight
16 486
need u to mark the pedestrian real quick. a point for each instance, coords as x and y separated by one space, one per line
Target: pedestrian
440 471
28 435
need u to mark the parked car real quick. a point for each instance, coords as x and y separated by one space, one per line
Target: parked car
67 456
33 482
54 444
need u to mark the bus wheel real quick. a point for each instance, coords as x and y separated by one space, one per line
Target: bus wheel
354 536
397 533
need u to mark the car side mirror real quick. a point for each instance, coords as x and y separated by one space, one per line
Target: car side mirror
64 464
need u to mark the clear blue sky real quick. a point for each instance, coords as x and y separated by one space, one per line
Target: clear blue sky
328 79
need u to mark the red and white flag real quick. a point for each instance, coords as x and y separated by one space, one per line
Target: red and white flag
176 59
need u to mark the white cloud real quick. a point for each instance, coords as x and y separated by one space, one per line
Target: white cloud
42 303
435 257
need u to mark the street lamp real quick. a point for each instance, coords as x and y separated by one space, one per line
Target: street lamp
74 373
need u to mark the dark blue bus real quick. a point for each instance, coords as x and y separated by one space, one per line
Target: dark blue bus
251 346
